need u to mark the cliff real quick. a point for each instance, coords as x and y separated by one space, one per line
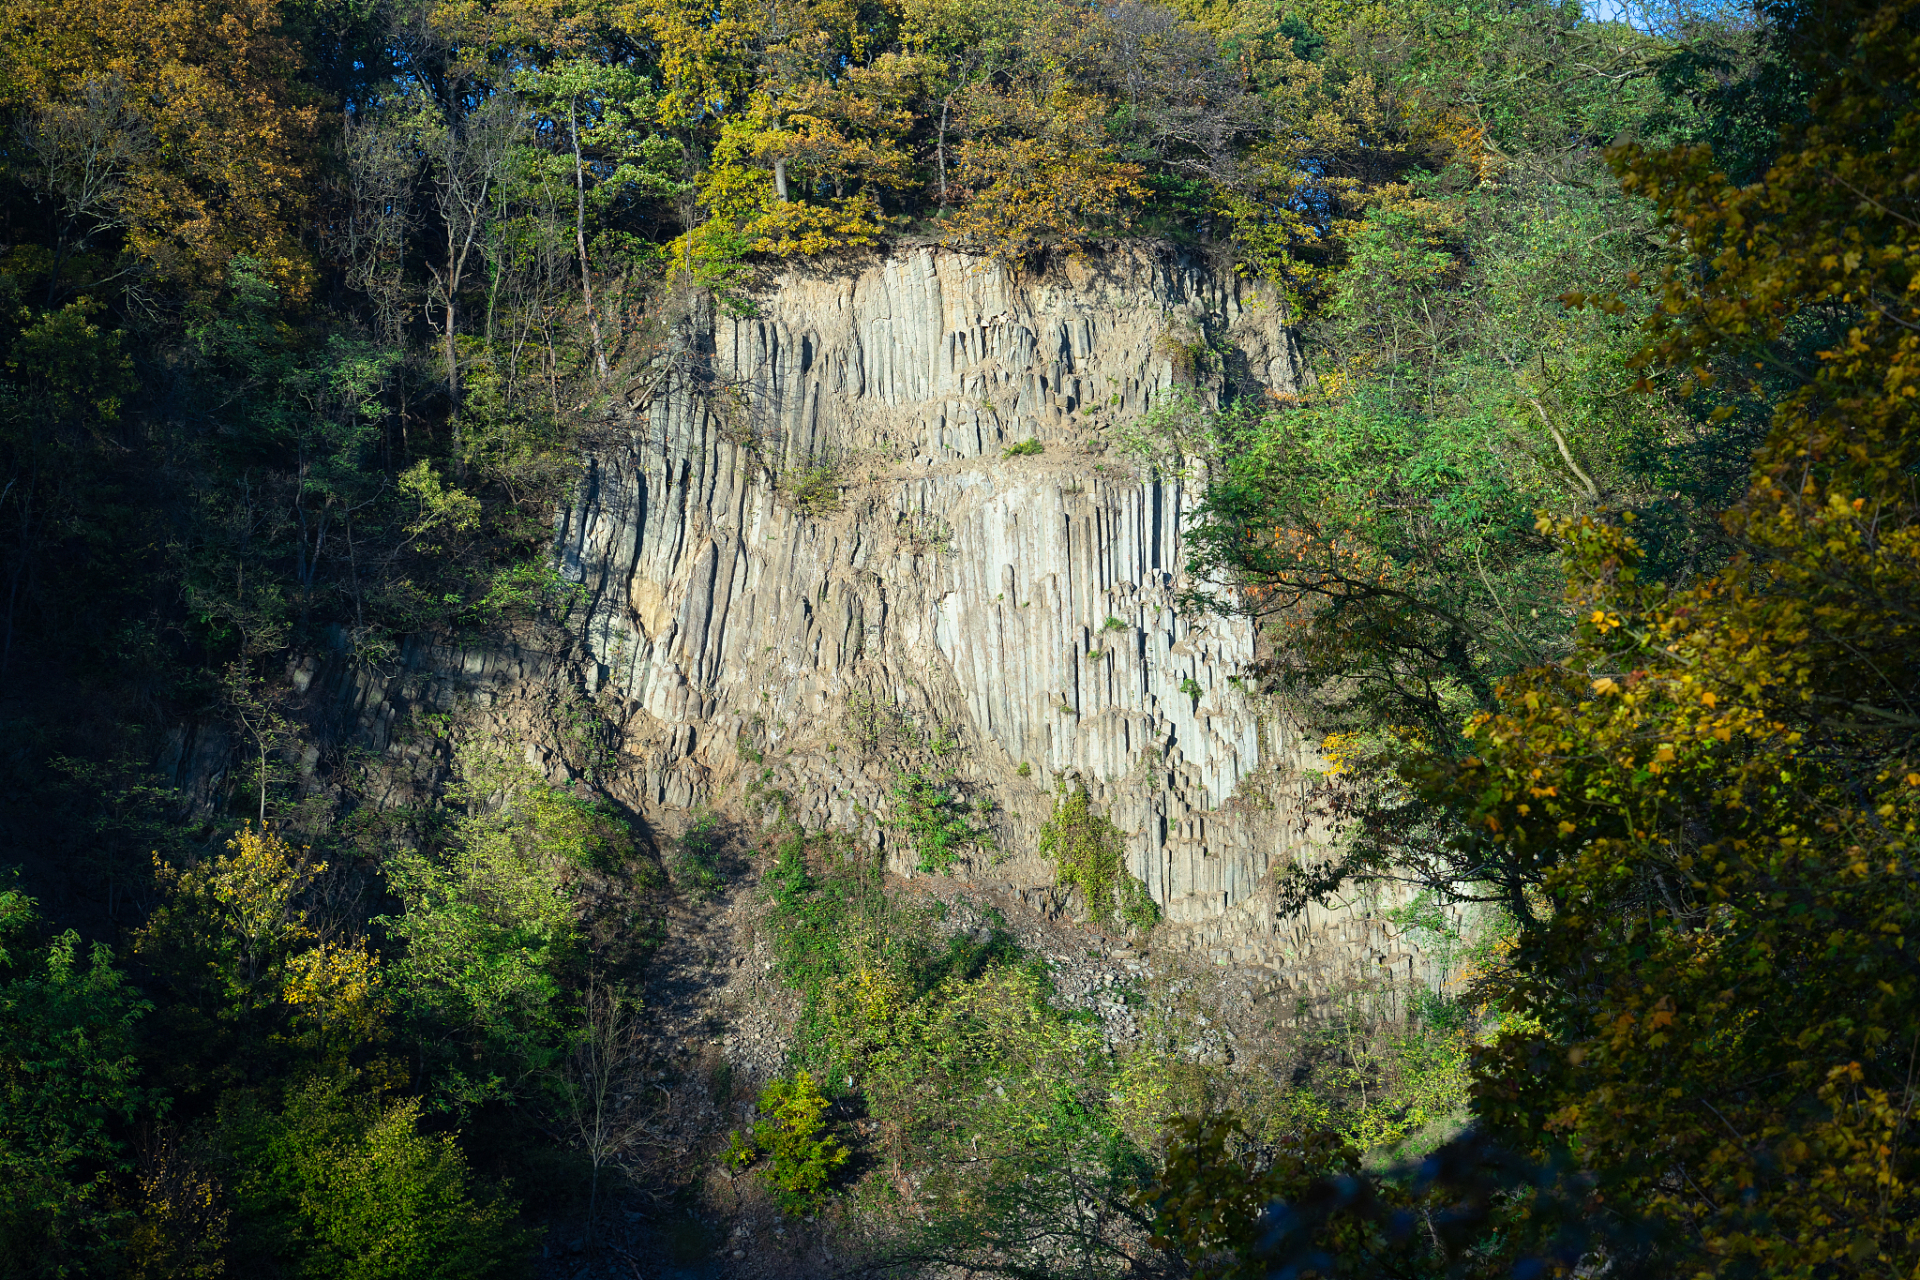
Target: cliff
806 547
809 565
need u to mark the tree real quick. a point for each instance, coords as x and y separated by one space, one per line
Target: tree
69 1090
468 154
255 968
359 1192
491 929
1711 1007
1720 783
178 122
86 150
601 116
595 1084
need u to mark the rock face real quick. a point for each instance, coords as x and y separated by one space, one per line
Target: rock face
812 565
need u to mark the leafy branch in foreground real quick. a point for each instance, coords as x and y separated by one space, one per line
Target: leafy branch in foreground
1716 793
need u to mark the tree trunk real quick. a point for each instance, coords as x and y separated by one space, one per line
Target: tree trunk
580 239
452 357
780 179
940 150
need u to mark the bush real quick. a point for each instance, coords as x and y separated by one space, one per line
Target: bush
798 1140
491 927
696 863
1088 854
990 1099
814 490
364 1193
1024 449
934 817
69 1089
855 955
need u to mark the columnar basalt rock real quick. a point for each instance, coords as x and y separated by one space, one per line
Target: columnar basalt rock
810 520
810 564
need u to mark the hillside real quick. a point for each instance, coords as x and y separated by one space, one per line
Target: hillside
956 637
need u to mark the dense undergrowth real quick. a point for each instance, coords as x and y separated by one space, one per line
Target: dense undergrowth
951 1108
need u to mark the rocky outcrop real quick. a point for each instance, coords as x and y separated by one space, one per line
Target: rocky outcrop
811 562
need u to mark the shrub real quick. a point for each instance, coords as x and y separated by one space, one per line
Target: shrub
364 1193
933 816
491 927
1024 449
994 1098
1088 854
814 490
794 1134
69 1088
696 862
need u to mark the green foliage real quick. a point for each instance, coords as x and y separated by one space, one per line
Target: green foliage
490 928
696 863
1210 1205
1171 438
1718 795
813 490
1379 1085
526 589
348 1186
797 1139
826 923
843 943
1384 528
1089 854
438 507
1000 1105
932 815
234 939
1380 525
70 1091
1702 809
76 369
1024 449
992 1100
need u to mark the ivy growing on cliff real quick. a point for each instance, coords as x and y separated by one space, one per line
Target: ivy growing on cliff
1089 854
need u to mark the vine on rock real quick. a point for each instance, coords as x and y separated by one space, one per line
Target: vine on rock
1089 854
